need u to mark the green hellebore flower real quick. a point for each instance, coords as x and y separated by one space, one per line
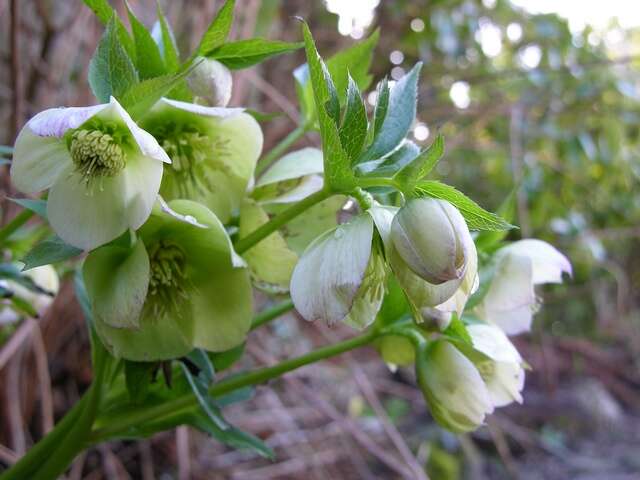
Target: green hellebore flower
452 386
181 286
340 276
211 81
213 152
422 295
429 235
103 172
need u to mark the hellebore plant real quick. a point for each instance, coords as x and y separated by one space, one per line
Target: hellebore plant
182 219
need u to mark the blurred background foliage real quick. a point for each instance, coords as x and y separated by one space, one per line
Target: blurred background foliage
538 106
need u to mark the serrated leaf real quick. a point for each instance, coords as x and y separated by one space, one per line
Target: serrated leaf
139 99
400 114
382 105
388 166
337 169
489 241
49 251
353 131
419 167
105 13
169 48
111 71
148 59
477 217
245 53
39 207
218 30
137 379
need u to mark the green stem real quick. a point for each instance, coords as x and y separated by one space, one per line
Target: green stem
280 148
271 313
75 441
279 220
41 451
121 425
15 224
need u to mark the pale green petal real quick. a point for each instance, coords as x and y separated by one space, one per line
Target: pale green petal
330 272
505 384
117 279
271 261
300 163
368 300
141 178
492 342
284 193
396 350
548 264
87 218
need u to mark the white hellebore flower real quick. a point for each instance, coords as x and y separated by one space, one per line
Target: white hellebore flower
44 277
211 81
498 362
452 386
432 240
213 151
103 172
510 301
340 276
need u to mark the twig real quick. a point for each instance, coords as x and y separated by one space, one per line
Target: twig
15 342
77 467
8 456
183 453
14 410
146 460
502 446
44 379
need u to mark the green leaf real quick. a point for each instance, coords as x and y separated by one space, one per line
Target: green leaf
419 167
23 306
399 117
49 251
489 241
111 71
149 61
169 47
218 30
353 131
457 331
201 391
105 14
39 207
388 166
382 105
139 99
201 360
477 217
231 436
337 169
223 360
137 379
245 53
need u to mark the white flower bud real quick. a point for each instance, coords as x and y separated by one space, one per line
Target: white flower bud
432 238
212 81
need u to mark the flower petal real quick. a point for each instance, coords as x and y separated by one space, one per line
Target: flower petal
328 276
305 187
117 279
165 104
271 261
368 300
307 161
547 262
141 181
87 218
492 342
505 383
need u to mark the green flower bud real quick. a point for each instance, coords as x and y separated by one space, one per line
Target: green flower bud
432 238
452 386
211 81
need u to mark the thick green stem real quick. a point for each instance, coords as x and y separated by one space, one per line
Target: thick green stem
75 441
365 182
271 313
280 148
121 425
278 221
15 224
41 451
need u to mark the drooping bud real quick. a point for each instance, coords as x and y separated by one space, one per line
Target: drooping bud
452 386
431 236
212 81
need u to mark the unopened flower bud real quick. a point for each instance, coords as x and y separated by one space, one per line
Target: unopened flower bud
431 236
452 386
212 81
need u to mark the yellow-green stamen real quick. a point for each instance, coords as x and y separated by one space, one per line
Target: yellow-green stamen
96 154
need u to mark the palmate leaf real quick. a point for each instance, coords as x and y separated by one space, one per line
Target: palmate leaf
218 30
337 169
246 53
111 71
477 218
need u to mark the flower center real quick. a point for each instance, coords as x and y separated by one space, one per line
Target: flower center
194 156
167 279
96 154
